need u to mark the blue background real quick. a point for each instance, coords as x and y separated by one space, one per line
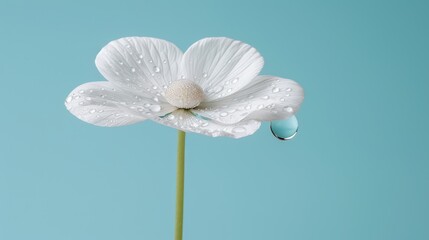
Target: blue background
358 169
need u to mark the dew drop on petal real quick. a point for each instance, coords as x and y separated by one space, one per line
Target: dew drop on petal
288 89
217 89
133 70
155 108
156 99
266 97
282 99
69 99
92 111
205 75
223 114
276 90
238 130
285 129
288 109
235 80
156 69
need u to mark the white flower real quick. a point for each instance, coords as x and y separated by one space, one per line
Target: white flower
213 88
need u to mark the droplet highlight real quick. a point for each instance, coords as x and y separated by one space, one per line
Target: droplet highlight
285 129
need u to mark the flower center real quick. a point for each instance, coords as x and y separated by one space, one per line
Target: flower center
184 94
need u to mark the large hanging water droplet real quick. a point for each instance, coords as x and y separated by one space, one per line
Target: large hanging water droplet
285 129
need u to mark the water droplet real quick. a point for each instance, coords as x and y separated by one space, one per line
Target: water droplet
235 80
164 61
69 99
205 124
155 99
282 99
81 103
276 90
88 98
92 111
171 117
285 129
248 107
155 108
133 70
229 90
260 106
223 114
238 130
155 87
288 89
156 69
81 91
288 109
121 63
151 61
217 89
140 56
205 75
266 97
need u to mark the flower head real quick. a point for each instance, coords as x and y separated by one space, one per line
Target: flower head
213 88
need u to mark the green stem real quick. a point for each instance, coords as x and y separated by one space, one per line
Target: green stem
180 185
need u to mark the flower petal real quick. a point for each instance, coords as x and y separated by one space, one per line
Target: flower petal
186 121
267 98
104 104
140 63
221 66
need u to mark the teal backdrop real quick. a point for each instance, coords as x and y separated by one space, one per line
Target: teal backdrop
358 169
